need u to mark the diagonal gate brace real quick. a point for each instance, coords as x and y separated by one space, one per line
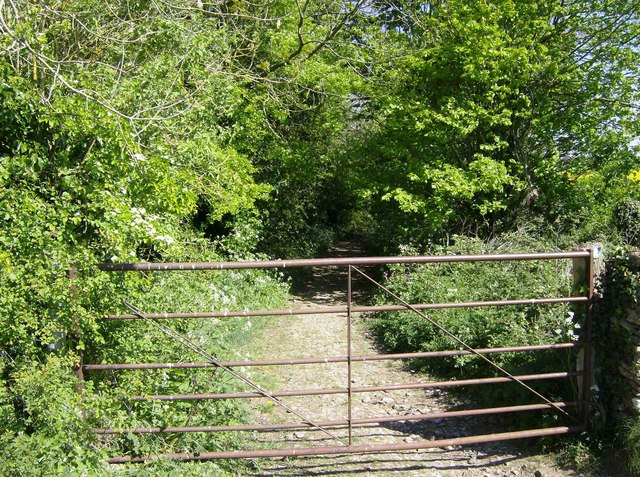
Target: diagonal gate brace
465 345
216 362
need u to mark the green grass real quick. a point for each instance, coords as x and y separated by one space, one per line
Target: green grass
631 446
140 341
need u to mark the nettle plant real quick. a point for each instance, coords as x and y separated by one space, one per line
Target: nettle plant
483 327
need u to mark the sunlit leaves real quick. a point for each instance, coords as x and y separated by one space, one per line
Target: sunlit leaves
487 103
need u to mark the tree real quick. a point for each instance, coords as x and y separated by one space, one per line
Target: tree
124 129
495 109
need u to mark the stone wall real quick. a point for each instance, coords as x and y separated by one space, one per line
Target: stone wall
619 345
629 367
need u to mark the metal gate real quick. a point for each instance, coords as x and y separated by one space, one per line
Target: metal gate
574 421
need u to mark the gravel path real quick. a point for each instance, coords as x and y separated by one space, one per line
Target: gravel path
325 335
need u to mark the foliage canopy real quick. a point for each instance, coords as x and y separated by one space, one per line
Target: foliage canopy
180 130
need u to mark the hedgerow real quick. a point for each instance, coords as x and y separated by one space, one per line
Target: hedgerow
484 327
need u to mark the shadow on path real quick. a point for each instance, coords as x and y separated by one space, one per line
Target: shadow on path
327 286
323 335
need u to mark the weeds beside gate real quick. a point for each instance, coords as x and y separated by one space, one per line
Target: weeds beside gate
573 413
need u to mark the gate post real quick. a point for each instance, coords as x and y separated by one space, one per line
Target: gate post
583 283
349 350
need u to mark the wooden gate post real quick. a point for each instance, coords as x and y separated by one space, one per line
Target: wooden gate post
583 283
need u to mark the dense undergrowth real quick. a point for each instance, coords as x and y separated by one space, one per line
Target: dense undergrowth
612 444
632 446
486 327
223 338
150 131
47 425
615 427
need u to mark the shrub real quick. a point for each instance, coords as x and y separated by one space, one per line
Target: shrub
139 341
485 326
627 220
44 430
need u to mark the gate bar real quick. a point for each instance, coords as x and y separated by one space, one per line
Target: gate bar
349 343
364 449
343 309
319 262
462 343
339 423
365 389
326 360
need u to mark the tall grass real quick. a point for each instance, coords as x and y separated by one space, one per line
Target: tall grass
139 341
484 327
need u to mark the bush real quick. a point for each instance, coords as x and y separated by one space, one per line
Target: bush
139 341
614 345
46 427
485 326
627 220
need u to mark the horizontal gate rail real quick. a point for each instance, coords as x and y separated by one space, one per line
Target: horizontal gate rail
366 449
340 423
364 389
582 260
329 262
326 360
343 309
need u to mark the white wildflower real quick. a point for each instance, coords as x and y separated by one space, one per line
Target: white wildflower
165 238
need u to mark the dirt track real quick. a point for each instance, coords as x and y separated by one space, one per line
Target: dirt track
325 335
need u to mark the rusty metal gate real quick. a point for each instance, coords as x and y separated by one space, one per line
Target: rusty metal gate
574 421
